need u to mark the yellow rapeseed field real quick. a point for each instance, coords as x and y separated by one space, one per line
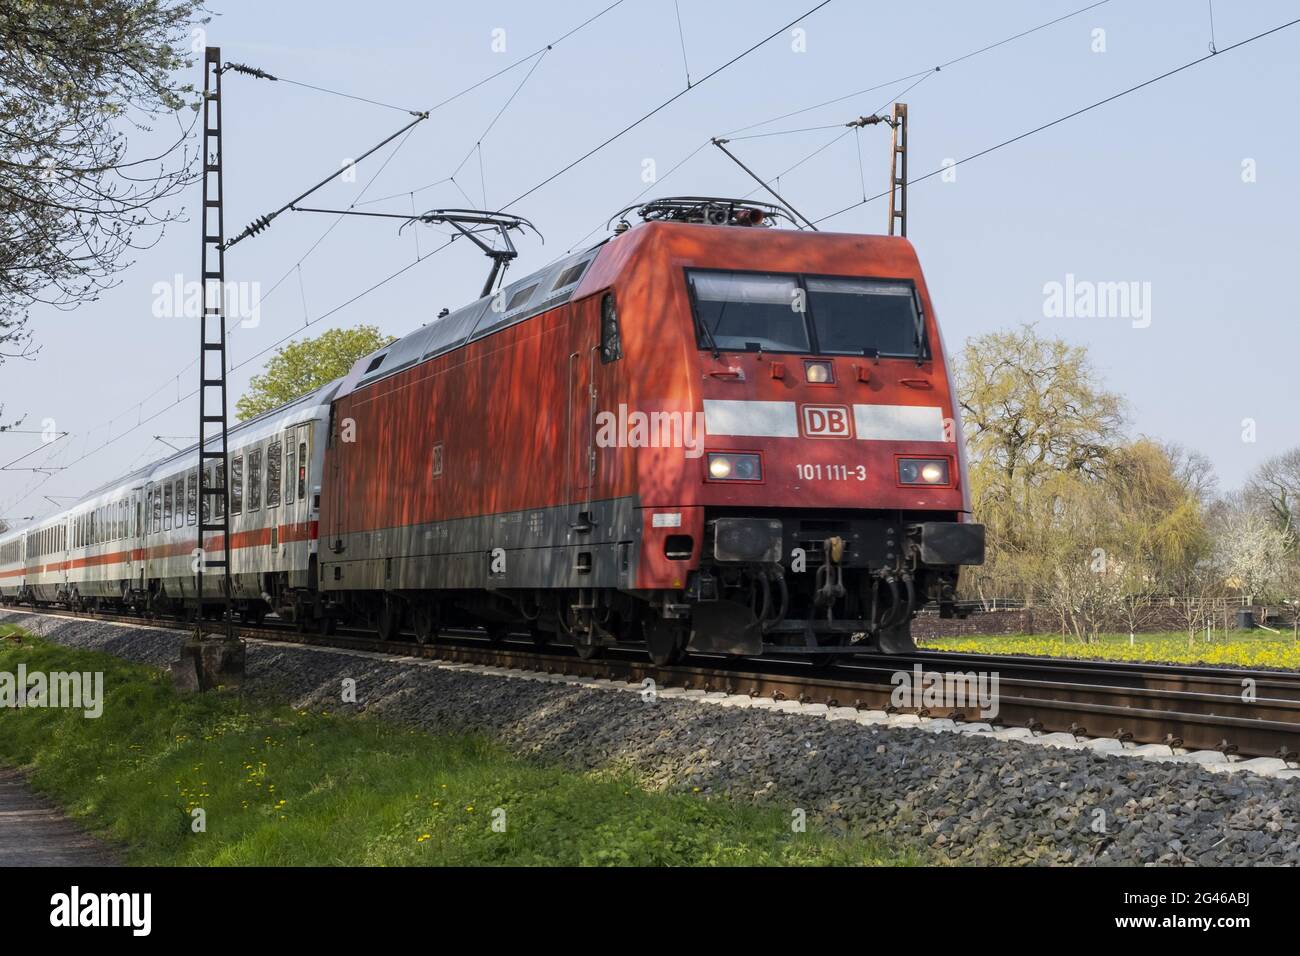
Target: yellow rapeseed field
1243 650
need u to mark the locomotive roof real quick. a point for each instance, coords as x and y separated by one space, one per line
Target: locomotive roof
536 292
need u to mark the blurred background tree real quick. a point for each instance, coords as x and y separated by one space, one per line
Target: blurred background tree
301 366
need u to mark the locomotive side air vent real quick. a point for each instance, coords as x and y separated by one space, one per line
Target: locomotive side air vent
570 275
707 210
375 362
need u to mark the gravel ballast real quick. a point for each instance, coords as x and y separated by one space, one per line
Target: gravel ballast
966 799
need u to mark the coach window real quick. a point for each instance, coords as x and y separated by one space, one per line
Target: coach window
254 479
290 466
167 506
180 502
274 453
237 485
219 501
205 506
611 343
191 497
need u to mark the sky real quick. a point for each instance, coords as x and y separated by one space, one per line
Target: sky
1185 191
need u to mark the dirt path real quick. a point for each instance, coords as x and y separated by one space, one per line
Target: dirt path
34 832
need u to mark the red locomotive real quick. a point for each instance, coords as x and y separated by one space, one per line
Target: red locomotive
702 434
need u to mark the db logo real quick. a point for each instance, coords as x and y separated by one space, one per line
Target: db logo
826 421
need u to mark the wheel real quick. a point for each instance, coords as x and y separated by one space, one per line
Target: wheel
496 633
325 624
424 619
252 615
665 641
588 651
391 614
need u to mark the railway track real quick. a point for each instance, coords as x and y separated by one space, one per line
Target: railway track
1240 713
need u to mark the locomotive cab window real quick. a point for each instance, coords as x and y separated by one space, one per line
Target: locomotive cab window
746 312
817 315
866 316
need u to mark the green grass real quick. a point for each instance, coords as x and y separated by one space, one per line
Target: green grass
280 787
1240 648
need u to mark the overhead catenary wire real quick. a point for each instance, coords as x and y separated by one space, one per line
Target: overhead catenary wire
139 407
922 73
918 75
664 105
1069 116
681 36
851 127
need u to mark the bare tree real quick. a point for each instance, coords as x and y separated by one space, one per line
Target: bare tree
1275 487
1193 470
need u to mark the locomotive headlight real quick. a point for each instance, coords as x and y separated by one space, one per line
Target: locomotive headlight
733 467
818 373
923 471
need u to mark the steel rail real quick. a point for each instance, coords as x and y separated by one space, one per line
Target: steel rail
1185 707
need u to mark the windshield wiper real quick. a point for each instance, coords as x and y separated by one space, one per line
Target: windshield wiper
919 330
707 334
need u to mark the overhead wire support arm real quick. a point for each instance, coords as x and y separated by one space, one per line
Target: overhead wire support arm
721 144
262 222
463 221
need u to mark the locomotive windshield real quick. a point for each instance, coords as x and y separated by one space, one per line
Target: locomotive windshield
749 311
853 316
740 311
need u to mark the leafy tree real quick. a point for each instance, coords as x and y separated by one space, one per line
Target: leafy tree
76 76
1032 416
301 366
1076 515
1030 407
